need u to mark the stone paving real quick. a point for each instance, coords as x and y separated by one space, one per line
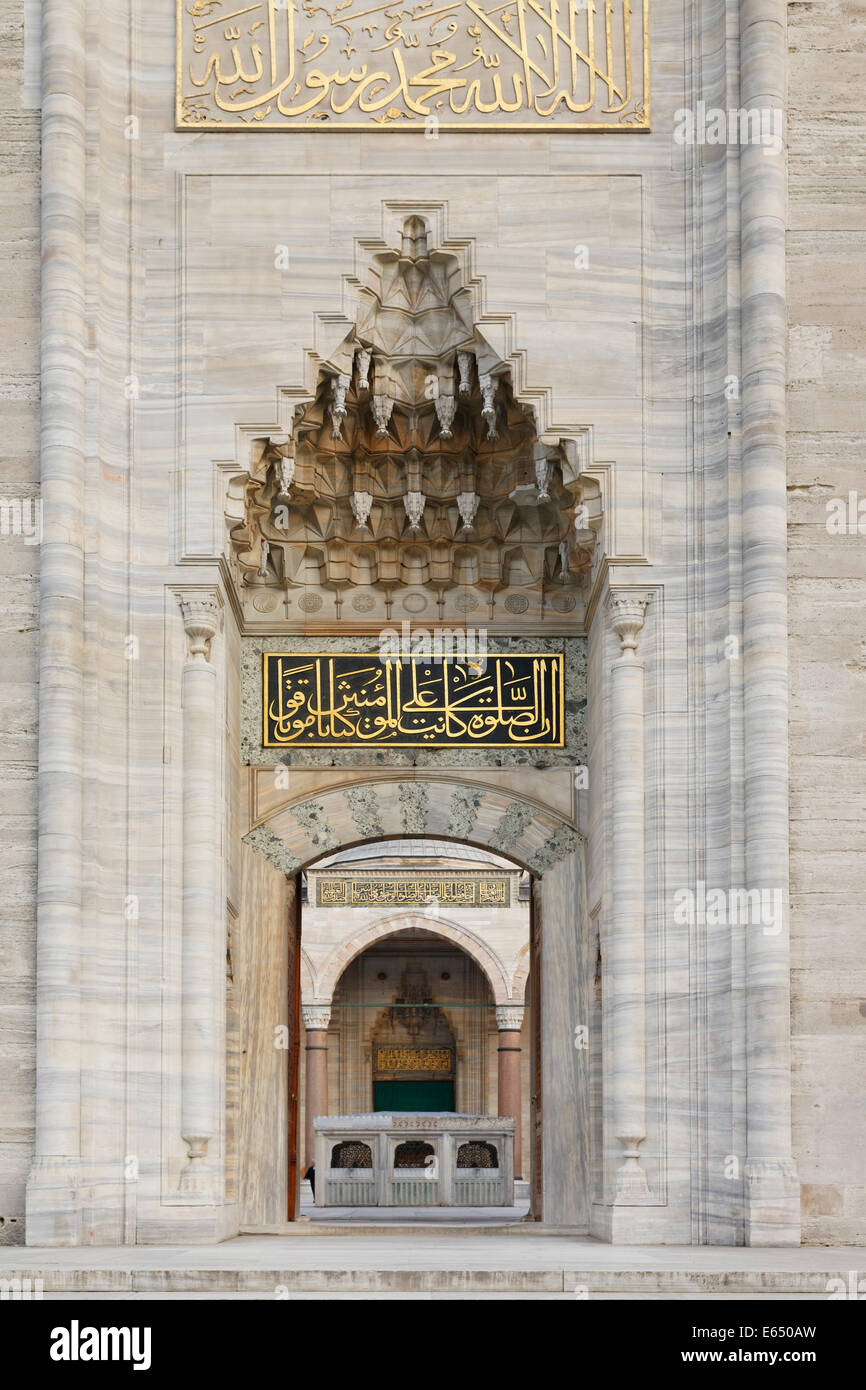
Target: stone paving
472 1262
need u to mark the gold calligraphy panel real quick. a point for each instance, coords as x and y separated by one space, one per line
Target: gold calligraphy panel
413 1059
461 64
412 892
356 700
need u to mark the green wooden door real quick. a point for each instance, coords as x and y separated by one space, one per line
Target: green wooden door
437 1096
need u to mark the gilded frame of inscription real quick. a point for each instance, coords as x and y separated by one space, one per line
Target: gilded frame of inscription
336 891
557 664
206 41
401 1059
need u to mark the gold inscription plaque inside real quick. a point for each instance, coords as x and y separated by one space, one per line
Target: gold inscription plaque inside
461 64
411 892
356 700
413 1059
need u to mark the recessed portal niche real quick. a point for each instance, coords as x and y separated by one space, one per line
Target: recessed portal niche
428 1045
413 483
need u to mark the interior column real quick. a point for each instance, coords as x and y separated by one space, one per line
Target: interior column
316 1020
509 1021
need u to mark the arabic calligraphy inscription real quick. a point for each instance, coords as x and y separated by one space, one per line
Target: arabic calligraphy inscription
413 1059
412 892
356 700
353 64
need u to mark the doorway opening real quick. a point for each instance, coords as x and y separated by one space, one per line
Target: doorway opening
410 948
432 1096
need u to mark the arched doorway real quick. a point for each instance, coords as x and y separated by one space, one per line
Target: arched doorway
410 477
413 1048
421 1009
557 1080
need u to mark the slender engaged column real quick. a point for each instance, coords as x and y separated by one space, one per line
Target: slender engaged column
52 1202
772 1190
316 1020
509 1021
625 982
200 1004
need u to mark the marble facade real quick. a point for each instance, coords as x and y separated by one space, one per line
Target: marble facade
633 290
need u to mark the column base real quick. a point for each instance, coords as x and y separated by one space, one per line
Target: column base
197 1185
78 1202
631 1184
53 1202
772 1202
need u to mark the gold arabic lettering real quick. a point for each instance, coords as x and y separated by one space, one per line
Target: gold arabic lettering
570 63
354 699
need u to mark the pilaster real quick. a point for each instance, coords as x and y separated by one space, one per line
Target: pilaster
200 1003
625 982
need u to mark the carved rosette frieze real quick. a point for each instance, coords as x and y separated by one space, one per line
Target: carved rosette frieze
509 1018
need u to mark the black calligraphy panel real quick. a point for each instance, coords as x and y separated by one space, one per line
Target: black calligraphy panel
357 700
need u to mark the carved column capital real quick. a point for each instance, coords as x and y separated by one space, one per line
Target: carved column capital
509 1018
627 609
201 610
316 1017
